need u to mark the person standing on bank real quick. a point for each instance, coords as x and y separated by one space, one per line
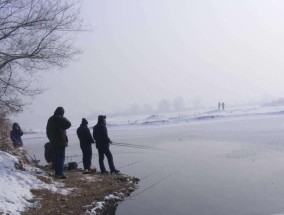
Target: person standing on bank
86 140
56 132
16 135
102 143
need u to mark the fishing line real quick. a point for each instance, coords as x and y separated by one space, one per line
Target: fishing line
151 173
131 164
96 155
153 185
129 144
138 146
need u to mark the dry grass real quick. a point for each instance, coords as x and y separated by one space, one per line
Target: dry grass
87 189
5 142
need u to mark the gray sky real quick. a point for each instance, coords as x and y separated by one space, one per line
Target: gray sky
141 52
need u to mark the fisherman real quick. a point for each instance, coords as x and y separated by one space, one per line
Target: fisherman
86 140
56 132
102 144
16 135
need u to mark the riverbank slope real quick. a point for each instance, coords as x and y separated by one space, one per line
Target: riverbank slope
29 189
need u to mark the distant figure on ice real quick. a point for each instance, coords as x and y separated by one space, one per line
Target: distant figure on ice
223 105
56 133
102 143
219 105
16 135
86 140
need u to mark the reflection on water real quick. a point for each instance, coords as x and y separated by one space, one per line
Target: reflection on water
211 167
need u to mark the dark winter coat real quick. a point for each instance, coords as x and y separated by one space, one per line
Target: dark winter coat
56 129
100 134
84 136
16 135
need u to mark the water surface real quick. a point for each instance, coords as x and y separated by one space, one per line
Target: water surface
210 167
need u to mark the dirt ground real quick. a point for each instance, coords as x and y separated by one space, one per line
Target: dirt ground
86 190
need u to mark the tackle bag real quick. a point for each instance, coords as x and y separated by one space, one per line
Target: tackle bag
49 153
72 165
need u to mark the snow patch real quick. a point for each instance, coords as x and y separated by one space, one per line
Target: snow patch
15 194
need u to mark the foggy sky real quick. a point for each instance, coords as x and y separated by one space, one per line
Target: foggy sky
141 52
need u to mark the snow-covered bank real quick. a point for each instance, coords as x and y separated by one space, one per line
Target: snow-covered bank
190 116
93 194
110 202
19 181
172 118
15 194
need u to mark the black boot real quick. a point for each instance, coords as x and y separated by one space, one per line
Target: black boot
114 171
105 172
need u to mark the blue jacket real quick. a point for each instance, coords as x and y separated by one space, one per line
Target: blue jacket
16 135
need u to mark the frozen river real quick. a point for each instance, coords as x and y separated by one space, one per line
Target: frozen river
207 167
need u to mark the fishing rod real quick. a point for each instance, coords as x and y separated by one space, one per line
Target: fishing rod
42 137
96 155
114 143
73 156
118 153
32 138
131 146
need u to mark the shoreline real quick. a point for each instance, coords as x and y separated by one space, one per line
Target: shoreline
93 194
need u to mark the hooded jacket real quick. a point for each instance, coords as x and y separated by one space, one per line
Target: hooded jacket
100 133
16 135
56 128
84 134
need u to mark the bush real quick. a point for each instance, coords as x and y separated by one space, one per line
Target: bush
5 142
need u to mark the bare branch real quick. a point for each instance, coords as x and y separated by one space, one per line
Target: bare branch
35 35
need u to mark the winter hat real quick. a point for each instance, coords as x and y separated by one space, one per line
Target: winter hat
59 111
101 118
84 121
15 125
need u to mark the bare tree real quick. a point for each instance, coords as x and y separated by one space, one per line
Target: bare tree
35 35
